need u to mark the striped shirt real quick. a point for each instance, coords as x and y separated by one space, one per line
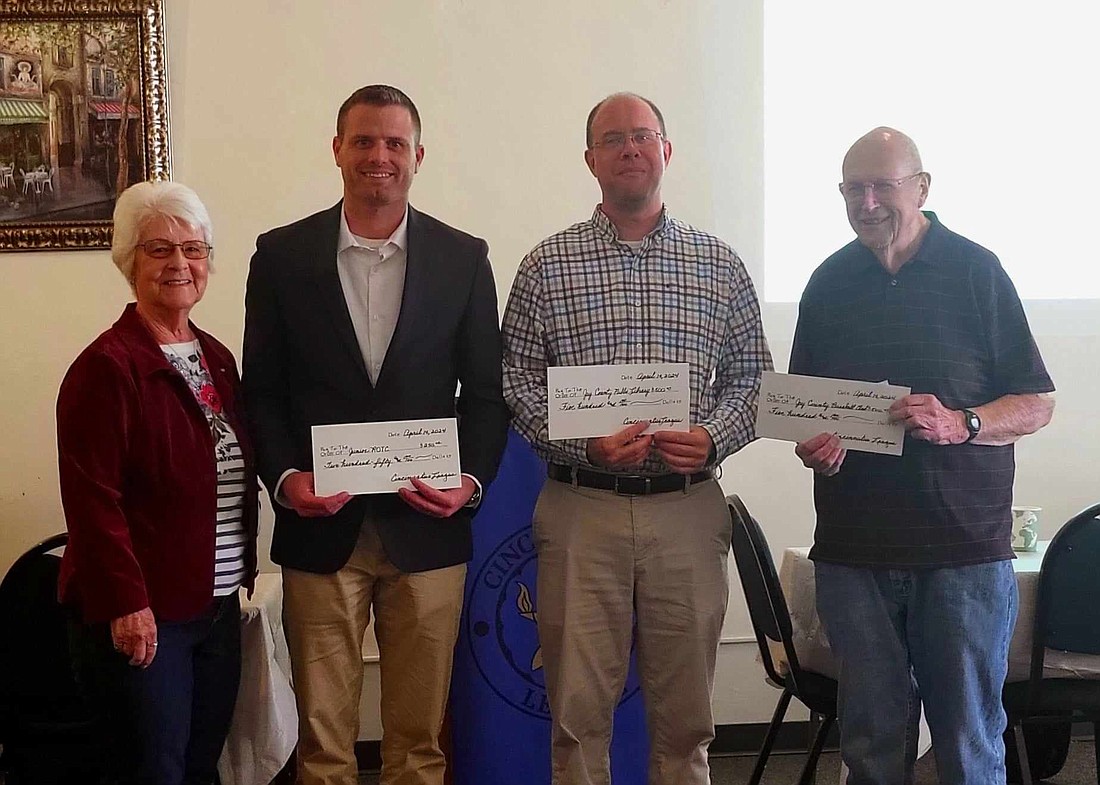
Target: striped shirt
948 323
585 297
230 538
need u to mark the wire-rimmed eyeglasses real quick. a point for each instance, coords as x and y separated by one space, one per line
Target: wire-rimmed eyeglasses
882 189
641 137
162 249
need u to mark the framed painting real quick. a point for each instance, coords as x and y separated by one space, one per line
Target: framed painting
83 115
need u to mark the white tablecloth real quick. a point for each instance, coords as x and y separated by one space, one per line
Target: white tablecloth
265 721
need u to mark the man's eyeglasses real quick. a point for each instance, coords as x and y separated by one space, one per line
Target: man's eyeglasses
162 249
643 137
882 189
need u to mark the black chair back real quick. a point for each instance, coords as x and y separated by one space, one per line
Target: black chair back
771 622
1069 594
771 619
35 666
1069 585
1041 711
48 731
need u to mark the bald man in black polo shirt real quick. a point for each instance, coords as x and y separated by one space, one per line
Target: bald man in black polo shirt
914 579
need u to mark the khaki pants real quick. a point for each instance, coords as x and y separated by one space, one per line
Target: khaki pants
416 618
605 560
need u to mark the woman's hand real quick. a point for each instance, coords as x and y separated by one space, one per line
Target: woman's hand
135 635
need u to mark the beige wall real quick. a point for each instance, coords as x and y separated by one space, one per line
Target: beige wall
503 87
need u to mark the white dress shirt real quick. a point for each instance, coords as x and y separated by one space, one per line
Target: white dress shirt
372 275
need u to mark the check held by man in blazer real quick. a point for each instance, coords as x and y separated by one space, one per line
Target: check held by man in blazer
372 311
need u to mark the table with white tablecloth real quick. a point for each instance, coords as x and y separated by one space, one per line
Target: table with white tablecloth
264 730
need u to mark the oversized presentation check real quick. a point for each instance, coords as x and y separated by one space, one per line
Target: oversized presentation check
794 408
599 400
380 457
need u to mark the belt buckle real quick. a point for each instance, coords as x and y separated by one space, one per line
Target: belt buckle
647 489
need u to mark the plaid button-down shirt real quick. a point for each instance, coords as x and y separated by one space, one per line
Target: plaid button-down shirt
584 297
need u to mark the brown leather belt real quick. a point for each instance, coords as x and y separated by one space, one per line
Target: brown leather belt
626 484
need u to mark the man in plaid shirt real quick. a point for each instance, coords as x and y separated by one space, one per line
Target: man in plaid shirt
633 525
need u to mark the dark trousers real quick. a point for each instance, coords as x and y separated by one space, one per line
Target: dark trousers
166 724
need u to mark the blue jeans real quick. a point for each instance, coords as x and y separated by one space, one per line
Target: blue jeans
166 724
906 637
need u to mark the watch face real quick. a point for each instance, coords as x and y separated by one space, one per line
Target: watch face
973 422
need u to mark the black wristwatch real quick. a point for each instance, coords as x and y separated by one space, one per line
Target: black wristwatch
973 423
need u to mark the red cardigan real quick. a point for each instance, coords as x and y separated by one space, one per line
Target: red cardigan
139 478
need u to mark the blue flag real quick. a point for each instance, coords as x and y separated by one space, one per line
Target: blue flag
500 716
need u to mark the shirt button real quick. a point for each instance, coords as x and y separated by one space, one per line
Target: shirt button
894 282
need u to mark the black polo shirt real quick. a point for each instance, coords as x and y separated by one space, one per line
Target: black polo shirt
948 323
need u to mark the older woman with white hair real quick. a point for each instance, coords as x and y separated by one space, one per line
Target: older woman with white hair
160 495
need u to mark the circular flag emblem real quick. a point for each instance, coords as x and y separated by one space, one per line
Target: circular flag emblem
502 619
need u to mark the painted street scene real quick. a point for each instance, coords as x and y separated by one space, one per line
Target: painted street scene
70 119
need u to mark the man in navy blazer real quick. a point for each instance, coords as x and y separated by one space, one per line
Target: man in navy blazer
372 311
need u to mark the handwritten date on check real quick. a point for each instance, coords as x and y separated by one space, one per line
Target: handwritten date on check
599 400
380 457
794 408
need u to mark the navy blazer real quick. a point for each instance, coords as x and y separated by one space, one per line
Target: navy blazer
302 366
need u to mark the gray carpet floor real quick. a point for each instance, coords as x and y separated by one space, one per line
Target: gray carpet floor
783 769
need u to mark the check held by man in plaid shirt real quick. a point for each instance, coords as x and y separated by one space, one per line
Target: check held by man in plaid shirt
633 526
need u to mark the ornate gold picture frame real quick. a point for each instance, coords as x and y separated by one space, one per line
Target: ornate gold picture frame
83 114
